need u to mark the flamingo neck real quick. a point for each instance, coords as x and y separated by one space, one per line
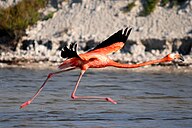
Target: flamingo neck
115 64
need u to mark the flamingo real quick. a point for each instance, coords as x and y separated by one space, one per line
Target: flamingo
97 58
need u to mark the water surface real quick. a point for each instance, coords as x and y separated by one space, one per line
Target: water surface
152 99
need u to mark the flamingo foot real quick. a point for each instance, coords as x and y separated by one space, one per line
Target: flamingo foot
110 100
25 104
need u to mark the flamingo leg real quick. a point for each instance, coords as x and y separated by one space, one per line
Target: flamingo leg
73 96
48 77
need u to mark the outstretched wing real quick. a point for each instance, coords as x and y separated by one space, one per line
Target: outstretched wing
113 43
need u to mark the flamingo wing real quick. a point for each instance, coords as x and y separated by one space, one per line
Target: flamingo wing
114 43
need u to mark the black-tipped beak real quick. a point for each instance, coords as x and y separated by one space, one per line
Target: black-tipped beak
181 57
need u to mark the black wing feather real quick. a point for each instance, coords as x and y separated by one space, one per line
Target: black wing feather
70 52
120 36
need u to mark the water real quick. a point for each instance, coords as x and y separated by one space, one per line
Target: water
145 99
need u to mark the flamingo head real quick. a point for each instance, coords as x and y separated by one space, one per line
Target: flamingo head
174 56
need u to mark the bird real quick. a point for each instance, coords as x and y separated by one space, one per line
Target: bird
97 58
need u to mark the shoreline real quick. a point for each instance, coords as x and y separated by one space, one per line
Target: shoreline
167 68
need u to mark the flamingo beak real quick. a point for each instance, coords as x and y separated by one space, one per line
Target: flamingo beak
181 57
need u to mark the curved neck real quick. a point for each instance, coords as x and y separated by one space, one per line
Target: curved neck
115 64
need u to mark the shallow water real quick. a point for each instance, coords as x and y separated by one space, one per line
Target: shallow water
145 99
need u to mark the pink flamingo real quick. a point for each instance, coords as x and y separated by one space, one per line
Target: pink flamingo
97 58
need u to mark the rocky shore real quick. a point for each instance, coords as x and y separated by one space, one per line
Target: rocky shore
90 22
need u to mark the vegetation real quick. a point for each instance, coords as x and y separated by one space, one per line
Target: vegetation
129 7
48 16
172 3
15 19
164 2
150 5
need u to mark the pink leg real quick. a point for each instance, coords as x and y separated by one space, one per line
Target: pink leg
73 96
36 94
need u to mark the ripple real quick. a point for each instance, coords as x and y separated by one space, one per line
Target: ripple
144 99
